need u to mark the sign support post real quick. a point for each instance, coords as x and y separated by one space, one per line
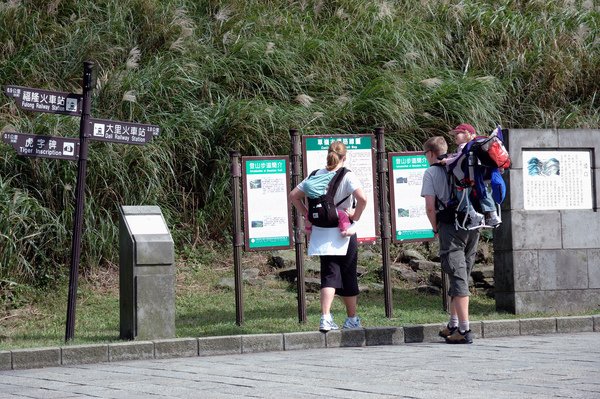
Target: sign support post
382 170
238 240
299 229
80 199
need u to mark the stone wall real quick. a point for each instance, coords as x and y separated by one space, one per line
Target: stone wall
546 261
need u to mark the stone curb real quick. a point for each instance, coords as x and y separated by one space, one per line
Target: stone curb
262 343
176 347
304 340
537 326
5 360
574 324
238 344
35 358
500 328
227 345
82 354
422 333
137 350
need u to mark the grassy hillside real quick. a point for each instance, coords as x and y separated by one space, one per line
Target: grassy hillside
223 75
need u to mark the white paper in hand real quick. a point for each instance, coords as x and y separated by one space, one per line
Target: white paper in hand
327 241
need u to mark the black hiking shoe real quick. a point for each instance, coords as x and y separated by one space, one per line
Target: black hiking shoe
458 337
447 331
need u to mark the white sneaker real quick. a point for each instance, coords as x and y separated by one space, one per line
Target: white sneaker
350 323
493 220
326 325
476 220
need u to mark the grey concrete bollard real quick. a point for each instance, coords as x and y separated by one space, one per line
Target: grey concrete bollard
146 275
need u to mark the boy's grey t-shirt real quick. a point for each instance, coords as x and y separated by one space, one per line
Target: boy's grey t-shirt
435 182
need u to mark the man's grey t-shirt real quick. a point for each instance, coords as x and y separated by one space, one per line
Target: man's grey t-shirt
435 182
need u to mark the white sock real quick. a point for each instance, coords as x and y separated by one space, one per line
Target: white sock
453 321
327 316
463 326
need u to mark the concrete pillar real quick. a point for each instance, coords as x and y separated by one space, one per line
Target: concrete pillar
146 275
547 260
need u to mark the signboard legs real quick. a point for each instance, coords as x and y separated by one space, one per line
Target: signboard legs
382 170
238 241
80 199
299 231
445 287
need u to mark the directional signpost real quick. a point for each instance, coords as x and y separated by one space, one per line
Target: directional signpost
74 149
122 132
33 145
38 100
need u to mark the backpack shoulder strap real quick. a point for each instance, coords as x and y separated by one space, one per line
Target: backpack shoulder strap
335 183
336 180
450 179
314 172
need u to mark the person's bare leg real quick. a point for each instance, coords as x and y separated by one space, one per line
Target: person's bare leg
461 305
453 320
327 296
350 302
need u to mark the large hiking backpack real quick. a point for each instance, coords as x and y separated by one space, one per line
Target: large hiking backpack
456 210
320 191
481 160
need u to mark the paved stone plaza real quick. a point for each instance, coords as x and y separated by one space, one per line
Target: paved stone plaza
542 366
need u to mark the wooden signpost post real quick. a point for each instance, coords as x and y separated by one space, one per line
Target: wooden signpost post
74 149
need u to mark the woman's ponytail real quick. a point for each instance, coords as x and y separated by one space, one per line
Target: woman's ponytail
335 154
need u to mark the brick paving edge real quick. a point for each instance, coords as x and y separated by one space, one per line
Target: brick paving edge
237 344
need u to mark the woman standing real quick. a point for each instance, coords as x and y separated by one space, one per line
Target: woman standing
338 252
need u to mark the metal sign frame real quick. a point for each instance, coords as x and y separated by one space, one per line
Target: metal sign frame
348 139
246 194
417 169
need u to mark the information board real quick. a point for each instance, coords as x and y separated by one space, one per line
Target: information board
360 159
557 179
267 211
409 217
